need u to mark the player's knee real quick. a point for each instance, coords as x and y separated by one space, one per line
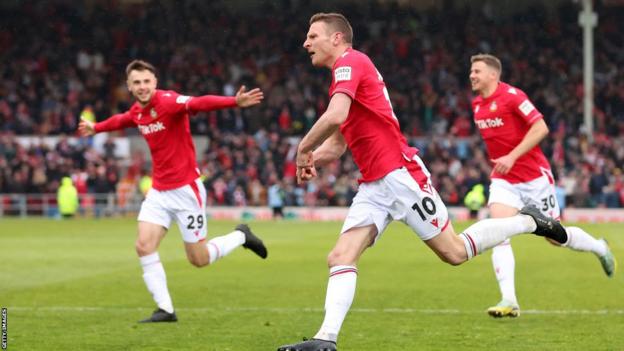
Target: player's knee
144 248
454 258
339 258
199 261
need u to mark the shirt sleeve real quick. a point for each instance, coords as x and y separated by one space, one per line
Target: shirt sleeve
524 108
176 103
347 75
210 102
115 122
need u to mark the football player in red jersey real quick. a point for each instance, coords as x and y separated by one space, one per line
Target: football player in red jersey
162 117
395 184
512 128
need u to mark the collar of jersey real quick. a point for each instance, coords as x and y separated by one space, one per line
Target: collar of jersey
150 104
501 86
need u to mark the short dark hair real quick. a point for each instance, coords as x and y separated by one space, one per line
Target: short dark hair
337 22
489 60
140 65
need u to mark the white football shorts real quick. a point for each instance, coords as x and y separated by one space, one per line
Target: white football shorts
539 192
397 196
186 204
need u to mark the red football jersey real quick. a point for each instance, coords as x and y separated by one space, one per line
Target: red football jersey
503 120
164 123
371 130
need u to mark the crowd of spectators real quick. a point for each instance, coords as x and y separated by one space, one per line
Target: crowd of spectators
76 54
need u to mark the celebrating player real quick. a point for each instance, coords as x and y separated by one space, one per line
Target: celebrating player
162 117
395 184
512 129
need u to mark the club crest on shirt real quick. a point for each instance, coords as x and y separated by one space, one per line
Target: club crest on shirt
493 107
153 113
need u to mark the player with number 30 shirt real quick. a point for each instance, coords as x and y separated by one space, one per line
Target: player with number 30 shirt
512 127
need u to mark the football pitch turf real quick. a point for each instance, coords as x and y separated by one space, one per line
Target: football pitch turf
76 285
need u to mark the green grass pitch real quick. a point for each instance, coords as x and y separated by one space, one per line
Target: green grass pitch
76 285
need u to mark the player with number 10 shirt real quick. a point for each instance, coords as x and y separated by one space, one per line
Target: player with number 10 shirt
395 184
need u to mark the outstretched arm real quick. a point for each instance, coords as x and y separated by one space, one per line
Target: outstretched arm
242 99
328 124
115 122
534 135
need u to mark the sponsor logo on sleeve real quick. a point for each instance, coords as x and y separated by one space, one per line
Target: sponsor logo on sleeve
342 73
526 107
182 99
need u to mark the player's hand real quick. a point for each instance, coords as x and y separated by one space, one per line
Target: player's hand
305 167
305 174
248 98
503 165
86 128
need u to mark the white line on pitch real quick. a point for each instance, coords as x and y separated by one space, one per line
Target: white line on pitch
295 310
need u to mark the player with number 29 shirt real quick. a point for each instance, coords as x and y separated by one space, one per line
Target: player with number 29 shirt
162 117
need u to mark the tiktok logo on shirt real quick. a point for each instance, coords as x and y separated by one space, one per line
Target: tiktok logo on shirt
151 128
490 123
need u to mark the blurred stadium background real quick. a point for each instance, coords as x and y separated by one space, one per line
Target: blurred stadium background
64 59
76 284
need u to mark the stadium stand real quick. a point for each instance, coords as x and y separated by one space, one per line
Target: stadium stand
75 64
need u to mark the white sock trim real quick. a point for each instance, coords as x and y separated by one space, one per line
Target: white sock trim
213 252
149 259
469 244
221 246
